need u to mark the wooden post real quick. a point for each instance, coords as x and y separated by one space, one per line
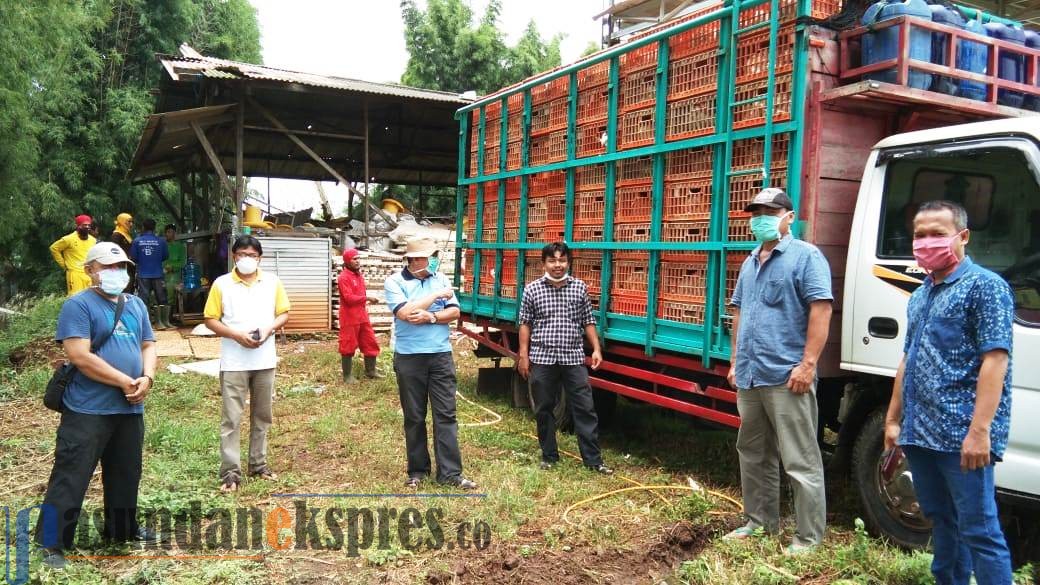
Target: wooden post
166 203
240 187
213 158
364 105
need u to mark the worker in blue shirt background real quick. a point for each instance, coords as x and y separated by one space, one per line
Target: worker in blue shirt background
149 251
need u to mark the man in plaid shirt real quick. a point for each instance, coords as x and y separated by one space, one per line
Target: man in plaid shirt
553 313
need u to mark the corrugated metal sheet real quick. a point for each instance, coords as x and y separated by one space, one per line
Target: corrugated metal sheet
191 62
305 268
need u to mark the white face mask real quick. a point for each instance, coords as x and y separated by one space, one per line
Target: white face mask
246 265
560 279
114 280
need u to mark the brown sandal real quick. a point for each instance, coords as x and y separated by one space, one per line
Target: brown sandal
229 486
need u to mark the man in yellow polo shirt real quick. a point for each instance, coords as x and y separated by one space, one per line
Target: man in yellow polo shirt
71 250
245 307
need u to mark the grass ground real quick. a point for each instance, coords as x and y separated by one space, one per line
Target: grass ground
330 439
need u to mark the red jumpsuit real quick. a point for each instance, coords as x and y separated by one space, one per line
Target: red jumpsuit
355 330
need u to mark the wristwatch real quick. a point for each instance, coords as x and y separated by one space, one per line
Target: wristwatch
433 318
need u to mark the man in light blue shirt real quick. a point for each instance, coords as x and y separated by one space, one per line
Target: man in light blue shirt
781 314
423 304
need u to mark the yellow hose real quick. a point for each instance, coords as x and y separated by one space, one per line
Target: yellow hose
637 486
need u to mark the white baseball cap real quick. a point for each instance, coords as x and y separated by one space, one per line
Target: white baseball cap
107 253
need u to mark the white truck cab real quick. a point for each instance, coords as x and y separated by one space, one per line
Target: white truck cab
993 169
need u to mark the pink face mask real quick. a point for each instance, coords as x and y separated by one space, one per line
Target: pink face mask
935 252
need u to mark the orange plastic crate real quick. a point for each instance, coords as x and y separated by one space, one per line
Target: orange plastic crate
491 161
632 203
547 234
684 276
753 53
690 117
644 57
592 139
513 152
515 131
689 199
549 116
630 275
549 148
693 75
688 163
739 227
681 311
548 209
627 305
594 75
635 170
638 90
743 188
588 233
547 183
788 11
507 291
513 188
685 231
512 215
754 114
734 260
632 232
493 110
493 134
699 38
490 214
636 128
592 104
550 90
748 153
533 268
589 207
590 177
510 234
588 267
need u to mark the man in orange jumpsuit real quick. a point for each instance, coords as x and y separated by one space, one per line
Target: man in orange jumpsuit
355 330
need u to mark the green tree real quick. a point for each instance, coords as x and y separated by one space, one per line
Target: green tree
75 90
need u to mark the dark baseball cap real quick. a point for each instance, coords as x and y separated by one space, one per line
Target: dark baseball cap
770 197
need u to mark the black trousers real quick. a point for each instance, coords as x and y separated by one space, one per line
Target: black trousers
116 440
146 286
545 384
422 378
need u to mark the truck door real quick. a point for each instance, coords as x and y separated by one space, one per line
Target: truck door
996 180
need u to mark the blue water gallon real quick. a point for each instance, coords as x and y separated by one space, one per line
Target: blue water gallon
885 44
1032 102
1010 66
941 45
973 57
191 275
867 40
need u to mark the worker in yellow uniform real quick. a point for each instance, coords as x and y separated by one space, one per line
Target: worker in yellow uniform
71 250
123 236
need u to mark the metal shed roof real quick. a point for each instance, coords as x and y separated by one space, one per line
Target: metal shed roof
413 138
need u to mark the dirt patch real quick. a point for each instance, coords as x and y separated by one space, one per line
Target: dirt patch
649 560
37 352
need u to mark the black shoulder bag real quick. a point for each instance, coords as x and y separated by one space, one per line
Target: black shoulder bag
55 393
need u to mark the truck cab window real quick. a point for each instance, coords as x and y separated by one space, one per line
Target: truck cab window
999 190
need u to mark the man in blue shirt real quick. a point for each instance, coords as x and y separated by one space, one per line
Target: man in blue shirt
951 401
149 252
781 314
423 304
103 406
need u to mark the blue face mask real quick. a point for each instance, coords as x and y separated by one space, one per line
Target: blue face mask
114 280
766 228
434 264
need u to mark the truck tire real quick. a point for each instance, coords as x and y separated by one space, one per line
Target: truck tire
562 412
889 506
606 405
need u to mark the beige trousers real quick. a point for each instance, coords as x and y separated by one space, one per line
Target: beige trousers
235 387
777 426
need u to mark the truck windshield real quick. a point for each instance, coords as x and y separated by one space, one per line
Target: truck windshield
998 188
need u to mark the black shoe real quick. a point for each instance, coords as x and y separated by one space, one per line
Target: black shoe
54 558
143 536
600 469
546 465
462 483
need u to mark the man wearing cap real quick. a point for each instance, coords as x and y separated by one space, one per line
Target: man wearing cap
245 307
781 314
103 406
355 329
70 251
423 304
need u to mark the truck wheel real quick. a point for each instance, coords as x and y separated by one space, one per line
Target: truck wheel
561 413
889 503
606 404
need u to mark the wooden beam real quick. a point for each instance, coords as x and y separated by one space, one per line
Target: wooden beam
350 137
213 159
240 187
314 156
166 202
